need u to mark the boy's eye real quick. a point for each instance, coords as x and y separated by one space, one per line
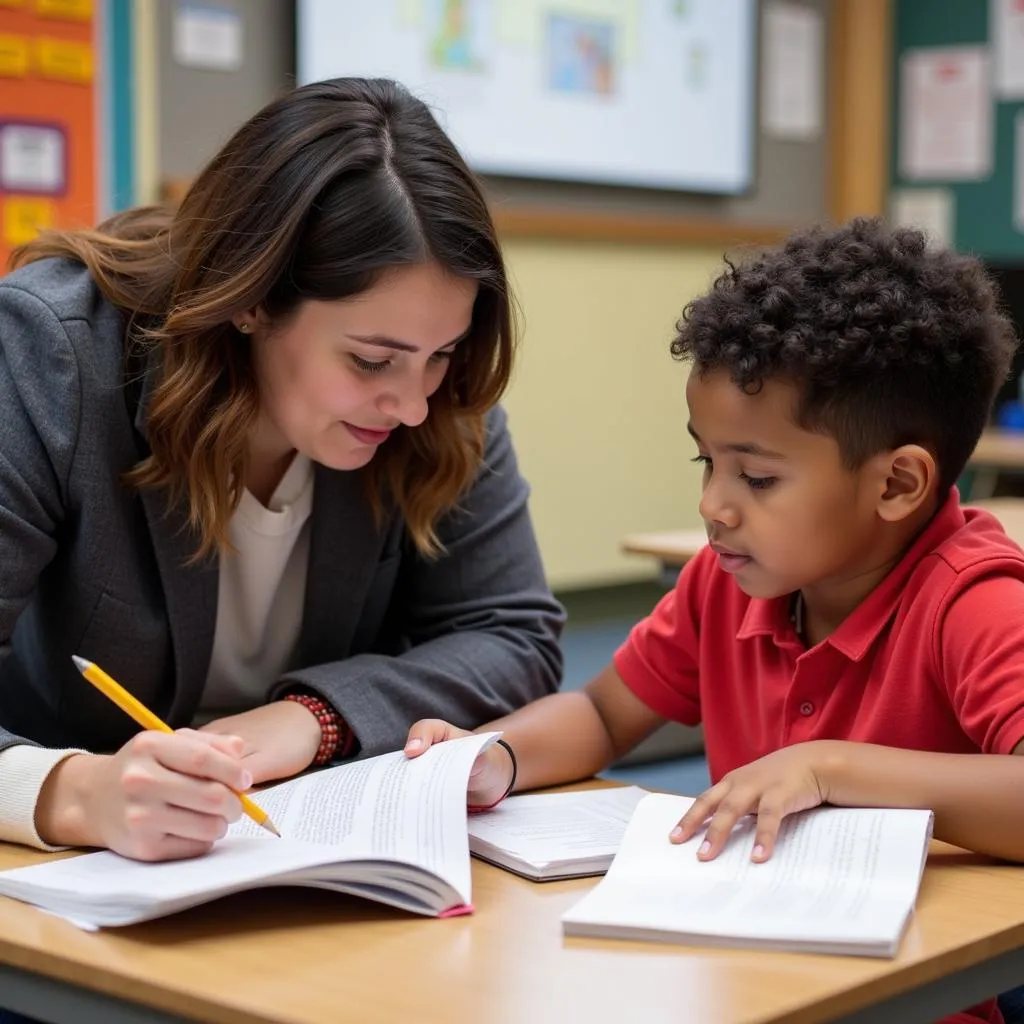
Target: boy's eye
366 366
758 483
702 460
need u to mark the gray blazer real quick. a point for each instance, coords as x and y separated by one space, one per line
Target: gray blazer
89 566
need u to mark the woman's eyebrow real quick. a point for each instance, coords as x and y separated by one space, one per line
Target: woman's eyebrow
383 341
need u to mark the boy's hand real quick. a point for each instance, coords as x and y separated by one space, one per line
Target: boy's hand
492 771
784 782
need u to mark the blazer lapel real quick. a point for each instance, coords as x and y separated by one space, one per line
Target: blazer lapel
344 548
190 591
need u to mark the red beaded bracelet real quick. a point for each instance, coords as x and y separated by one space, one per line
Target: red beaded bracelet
335 736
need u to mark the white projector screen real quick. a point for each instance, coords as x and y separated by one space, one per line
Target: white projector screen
651 93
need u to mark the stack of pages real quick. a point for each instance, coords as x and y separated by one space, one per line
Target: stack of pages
548 836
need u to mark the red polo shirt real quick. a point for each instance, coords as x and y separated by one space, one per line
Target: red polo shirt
932 659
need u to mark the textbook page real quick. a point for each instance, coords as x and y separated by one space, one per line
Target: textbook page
388 808
553 835
840 879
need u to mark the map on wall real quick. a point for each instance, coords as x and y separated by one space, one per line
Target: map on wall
641 92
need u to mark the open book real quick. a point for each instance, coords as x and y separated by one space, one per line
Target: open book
547 836
841 880
387 828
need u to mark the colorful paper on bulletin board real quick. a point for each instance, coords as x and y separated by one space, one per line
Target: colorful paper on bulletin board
48 119
946 119
13 56
68 10
33 158
63 61
24 217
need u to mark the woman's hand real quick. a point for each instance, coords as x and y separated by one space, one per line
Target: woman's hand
782 783
162 796
492 770
279 739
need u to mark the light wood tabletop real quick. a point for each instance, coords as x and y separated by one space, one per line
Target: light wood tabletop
292 956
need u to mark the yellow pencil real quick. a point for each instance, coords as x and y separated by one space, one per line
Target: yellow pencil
137 710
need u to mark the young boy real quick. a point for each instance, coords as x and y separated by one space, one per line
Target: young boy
850 635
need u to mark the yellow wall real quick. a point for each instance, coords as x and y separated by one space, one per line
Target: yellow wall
597 407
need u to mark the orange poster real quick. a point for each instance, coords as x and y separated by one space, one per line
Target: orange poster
48 148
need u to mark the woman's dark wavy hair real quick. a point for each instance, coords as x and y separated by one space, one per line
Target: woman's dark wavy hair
888 342
315 197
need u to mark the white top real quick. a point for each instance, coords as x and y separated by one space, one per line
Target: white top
260 600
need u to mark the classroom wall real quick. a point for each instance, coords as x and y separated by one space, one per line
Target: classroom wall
200 108
597 405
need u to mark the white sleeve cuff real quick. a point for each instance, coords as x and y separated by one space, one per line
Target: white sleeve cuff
23 771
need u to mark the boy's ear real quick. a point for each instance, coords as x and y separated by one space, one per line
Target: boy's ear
909 475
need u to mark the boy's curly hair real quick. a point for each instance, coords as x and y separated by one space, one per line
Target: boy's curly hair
889 343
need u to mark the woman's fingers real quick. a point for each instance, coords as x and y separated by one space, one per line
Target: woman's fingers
199 755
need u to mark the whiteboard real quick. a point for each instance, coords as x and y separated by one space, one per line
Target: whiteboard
654 93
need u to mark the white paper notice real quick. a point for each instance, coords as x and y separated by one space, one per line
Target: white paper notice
1006 30
932 210
32 158
1018 172
946 115
791 71
208 36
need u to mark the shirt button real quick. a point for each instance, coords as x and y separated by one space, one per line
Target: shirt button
807 708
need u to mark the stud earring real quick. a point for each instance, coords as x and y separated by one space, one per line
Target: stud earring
245 327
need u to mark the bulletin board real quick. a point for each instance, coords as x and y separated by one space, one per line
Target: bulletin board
983 219
47 118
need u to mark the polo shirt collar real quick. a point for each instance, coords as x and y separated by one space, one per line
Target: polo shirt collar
860 629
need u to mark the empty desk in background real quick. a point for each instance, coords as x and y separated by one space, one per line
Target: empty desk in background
997 451
674 548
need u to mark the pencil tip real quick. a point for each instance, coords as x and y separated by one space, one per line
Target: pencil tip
80 663
270 827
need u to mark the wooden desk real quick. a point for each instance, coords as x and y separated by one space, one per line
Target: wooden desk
308 957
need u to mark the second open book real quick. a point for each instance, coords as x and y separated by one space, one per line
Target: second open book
841 880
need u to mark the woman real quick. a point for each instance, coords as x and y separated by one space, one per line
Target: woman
253 467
